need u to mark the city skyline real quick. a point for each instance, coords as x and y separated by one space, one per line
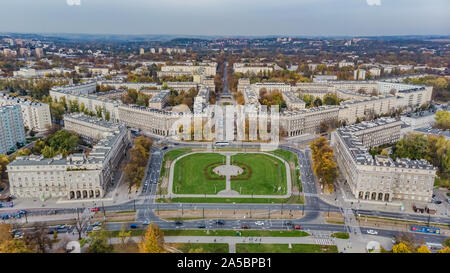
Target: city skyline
229 17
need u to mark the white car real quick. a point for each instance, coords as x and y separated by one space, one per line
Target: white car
373 232
97 228
259 223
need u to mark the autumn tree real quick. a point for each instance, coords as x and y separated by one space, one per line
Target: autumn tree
444 250
134 170
152 241
8 244
323 164
400 248
423 249
37 238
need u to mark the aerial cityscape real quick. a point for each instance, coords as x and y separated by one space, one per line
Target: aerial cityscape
231 137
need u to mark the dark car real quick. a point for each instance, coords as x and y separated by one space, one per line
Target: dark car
133 226
288 223
220 222
178 223
202 226
438 202
244 226
52 230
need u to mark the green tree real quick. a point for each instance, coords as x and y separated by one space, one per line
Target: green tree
124 236
98 242
107 116
330 99
442 120
38 147
4 161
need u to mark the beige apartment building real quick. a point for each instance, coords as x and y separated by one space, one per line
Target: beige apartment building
78 176
36 116
307 121
380 178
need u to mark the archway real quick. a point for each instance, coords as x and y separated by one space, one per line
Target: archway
72 195
386 197
374 196
97 193
91 194
360 195
78 194
85 194
366 197
380 196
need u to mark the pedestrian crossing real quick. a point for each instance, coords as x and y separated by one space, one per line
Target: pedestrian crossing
328 241
323 239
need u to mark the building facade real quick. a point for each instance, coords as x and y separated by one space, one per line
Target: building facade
36 116
12 128
380 178
78 176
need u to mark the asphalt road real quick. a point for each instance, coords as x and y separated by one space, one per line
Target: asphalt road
146 206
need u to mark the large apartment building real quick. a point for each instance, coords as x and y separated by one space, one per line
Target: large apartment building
380 178
307 121
252 68
36 116
78 176
12 128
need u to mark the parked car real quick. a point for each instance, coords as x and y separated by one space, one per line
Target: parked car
372 232
220 222
259 223
61 227
288 223
97 228
438 202
146 222
97 224
95 209
133 226
297 227
178 223
202 226
244 226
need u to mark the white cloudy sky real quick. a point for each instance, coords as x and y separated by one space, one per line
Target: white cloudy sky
228 17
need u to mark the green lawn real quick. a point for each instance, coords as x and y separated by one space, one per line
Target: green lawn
200 247
284 248
294 199
244 233
170 156
189 176
220 232
266 175
341 235
291 157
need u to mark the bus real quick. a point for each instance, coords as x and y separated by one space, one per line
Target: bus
222 144
431 230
